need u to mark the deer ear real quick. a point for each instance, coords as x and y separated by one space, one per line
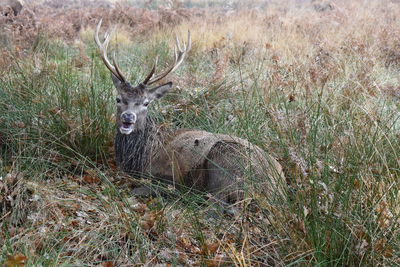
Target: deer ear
117 83
159 91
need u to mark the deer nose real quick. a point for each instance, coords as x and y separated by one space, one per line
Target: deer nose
128 117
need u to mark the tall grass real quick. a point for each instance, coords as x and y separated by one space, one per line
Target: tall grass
319 96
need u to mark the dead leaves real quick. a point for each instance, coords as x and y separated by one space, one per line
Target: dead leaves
212 252
108 264
381 246
148 221
139 208
91 177
210 247
17 260
184 243
385 216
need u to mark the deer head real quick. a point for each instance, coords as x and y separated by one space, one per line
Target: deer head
132 101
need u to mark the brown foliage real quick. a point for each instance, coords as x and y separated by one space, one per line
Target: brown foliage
65 22
15 260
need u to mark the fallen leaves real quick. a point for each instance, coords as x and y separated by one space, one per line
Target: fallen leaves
210 247
91 177
148 220
382 247
385 216
108 264
139 208
17 260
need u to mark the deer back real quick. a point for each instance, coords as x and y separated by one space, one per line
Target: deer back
183 154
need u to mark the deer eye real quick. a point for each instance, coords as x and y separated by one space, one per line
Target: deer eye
118 100
146 104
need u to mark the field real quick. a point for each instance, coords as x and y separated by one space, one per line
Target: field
316 84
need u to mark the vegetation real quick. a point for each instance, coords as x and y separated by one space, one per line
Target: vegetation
318 88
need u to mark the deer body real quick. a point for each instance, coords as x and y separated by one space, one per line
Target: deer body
213 163
201 160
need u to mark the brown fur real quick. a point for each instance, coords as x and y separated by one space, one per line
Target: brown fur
204 161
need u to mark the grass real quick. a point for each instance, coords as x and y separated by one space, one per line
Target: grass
316 90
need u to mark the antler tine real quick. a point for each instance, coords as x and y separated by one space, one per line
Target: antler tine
148 77
178 44
179 56
103 49
118 70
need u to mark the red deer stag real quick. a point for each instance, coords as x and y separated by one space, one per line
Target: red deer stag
208 162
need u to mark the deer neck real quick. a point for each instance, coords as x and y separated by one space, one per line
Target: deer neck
133 152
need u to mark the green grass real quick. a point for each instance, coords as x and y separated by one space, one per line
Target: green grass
338 140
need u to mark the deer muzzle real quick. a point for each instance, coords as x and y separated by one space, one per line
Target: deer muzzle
128 120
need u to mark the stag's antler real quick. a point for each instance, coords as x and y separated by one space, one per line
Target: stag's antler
179 52
103 49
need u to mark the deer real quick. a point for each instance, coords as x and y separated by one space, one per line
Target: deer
216 164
